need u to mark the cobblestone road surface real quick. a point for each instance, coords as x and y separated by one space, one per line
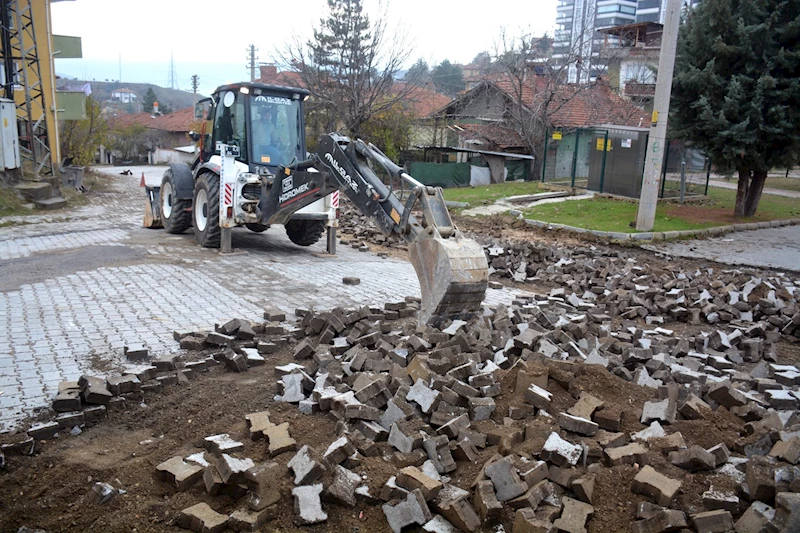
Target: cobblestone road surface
77 285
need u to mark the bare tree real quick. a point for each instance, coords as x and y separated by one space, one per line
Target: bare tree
537 82
350 66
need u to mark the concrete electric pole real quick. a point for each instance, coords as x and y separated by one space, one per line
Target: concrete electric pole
195 84
654 161
251 58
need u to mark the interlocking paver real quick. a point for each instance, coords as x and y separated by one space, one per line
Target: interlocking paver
52 328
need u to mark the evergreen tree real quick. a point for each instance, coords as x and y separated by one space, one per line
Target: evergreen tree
448 78
149 99
737 87
419 71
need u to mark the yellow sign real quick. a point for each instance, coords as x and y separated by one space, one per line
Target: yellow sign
654 118
601 143
557 136
265 159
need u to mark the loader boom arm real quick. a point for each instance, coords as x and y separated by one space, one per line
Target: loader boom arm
452 270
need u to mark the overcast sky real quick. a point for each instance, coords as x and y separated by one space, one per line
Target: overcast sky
209 38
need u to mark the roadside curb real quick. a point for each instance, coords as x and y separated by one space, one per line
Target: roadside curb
658 236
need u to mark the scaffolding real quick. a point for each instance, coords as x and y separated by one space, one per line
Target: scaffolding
22 74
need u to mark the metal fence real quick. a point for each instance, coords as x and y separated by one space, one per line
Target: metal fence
610 159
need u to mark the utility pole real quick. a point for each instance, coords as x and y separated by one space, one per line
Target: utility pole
654 159
195 84
251 61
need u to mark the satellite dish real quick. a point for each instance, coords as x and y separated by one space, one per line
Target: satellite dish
228 99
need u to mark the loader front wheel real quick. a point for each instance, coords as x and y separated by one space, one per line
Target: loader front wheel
305 232
205 211
174 214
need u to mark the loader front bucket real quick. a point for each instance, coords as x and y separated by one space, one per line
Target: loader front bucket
453 275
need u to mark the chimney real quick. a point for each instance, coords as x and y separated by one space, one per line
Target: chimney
268 72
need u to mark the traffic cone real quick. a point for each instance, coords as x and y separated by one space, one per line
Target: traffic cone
141 183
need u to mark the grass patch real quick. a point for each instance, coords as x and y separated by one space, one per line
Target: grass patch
786 184
610 214
488 194
10 204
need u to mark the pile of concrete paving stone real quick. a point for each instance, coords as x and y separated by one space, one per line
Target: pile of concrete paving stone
414 397
424 400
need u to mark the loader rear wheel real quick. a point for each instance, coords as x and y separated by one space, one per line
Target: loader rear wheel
257 228
305 232
174 214
205 211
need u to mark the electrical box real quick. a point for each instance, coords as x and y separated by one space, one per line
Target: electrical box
9 136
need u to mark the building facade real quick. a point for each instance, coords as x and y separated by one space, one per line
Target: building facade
578 22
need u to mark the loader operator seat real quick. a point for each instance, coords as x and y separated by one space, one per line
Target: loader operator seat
265 136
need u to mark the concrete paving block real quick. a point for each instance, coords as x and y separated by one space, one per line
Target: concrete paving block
43 430
486 503
342 490
411 478
662 410
560 452
694 458
338 451
232 469
279 439
427 398
201 518
585 406
575 424
411 510
306 469
222 443
248 520
753 520
505 479
526 521
178 472
573 517
538 397
481 408
307 505
712 522
263 483
438 450
658 486
661 521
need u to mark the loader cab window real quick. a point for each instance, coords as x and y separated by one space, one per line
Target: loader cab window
275 132
229 122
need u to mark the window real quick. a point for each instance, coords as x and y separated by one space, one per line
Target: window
229 124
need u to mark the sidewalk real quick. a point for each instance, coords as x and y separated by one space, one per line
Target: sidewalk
731 185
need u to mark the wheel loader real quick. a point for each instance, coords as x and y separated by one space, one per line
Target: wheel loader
252 170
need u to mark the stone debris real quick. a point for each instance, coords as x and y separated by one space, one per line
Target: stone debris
101 493
307 505
524 385
202 519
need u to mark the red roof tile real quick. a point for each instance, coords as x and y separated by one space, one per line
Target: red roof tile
572 106
180 121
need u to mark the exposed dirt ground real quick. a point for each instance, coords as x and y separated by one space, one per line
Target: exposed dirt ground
48 490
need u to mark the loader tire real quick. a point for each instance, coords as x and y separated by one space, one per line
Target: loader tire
205 211
257 228
305 232
174 215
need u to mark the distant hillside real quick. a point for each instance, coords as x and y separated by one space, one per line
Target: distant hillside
101 90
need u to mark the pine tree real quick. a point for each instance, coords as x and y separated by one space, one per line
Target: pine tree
737 87
448 78
149 99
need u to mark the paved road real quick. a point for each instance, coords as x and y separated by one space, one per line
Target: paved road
78 285
765 248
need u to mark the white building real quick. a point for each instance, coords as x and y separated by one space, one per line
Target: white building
655 10
126 96
576 38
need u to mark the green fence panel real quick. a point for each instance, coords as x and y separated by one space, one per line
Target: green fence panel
440 174
517 170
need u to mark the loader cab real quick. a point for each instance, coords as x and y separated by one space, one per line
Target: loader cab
266 122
